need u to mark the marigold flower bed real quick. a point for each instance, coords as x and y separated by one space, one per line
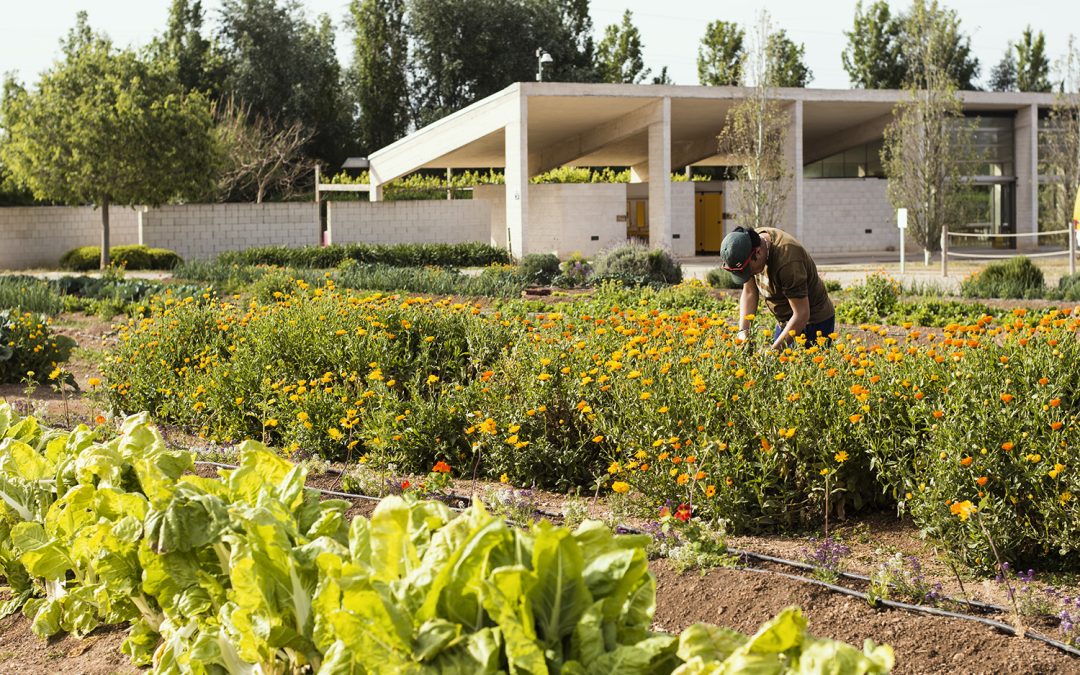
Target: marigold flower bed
973 433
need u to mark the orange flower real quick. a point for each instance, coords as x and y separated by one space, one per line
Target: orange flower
1055 425
1007 446
963 509
937 414
1006 398
1055 402
441 467
966 461
855 419
710 491
982 481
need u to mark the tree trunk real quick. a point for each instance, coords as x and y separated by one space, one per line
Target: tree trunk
926 256
105 232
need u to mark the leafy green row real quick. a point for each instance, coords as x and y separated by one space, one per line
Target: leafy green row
252 573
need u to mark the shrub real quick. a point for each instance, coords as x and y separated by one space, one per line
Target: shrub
721 278
1015 278
1069 287
29 295
638 265
876 297
574 271
27 346
133 257
539 268
395 255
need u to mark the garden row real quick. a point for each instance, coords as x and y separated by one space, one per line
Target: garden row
251 572
973 433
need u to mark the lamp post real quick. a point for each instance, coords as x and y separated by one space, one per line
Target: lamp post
542 57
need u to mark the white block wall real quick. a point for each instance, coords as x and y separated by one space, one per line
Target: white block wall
838 212
36 236
564 218
202 231
409 222
683 218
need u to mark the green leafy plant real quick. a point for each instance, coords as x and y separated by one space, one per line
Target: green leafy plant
636 265
131 257
1017 277
539 268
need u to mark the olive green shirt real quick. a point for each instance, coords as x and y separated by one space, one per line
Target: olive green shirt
790 272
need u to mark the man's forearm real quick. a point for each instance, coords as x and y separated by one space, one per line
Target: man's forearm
796 324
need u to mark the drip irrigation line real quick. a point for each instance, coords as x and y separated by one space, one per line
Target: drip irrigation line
919 609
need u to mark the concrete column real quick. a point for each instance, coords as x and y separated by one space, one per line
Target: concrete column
375 193
793 155
660 229
1026 161
517 179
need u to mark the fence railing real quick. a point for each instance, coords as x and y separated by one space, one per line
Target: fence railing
946 253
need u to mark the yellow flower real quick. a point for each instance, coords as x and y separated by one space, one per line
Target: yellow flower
432 379
271 422
841 456
334 433
1065 497
1058 468
645 396
597 439
824 472
963 509
614 468
504 478
543 377
683 479
94 381
302 416
488 426
620 486
710 491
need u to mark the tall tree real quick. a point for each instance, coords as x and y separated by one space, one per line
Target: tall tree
927 23
720 54
786 66
378 76
564 29
618 56
1003 76
872 56
755 134
929 144
285 69
197 63
104 127
663 77
1032 64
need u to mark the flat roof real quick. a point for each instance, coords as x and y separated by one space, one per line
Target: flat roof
583 122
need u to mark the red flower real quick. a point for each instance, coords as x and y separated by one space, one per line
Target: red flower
405 485
441 467
683 513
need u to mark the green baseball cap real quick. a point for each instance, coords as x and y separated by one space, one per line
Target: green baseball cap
735 252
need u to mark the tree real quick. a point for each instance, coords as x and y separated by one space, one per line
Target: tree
755 134
872 57
1032 64
928 144
663 77
105 127
1003 76
197 63
618 56
284 68
260 156
720 54
378 76
1060 141
564 29
928 23
786 67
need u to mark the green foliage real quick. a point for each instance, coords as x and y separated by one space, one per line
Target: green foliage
636 265
619 54
130 257
378 74
102 533
395 255
786 65
1032 64
1017 277
539 268
103 126
876 297
1069 287
721 278
873 57
496 281
193 56
720 54
575 271
28 348
29 294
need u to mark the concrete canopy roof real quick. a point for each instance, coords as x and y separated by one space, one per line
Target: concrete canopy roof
606 124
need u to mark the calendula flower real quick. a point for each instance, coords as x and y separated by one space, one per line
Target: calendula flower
441 467
94 381
841 456
488 426
621 487
432 379
963 509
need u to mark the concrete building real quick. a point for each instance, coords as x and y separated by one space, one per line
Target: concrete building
838 200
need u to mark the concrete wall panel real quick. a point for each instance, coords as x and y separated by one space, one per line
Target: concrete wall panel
409 222
202 231
36 236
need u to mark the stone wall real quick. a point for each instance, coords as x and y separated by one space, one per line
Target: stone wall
849 215
408 222
36 236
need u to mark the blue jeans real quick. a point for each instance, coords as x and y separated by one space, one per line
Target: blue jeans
811 331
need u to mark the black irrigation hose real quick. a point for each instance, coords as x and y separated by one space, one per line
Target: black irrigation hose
921 609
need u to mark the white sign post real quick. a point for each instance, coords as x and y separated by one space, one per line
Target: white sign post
901 223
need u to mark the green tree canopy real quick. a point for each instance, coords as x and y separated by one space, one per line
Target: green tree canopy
786 67
1003 75
196 60
378 76
872 56
618 56
720 54
104 126
1032 64
284 68
875 57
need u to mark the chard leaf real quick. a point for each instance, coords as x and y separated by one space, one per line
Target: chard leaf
17 458
560 597
506 600
42 555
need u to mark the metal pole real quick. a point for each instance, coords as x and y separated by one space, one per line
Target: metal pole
902 251
944 251
1073 233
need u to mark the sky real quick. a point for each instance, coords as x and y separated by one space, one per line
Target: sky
30 30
